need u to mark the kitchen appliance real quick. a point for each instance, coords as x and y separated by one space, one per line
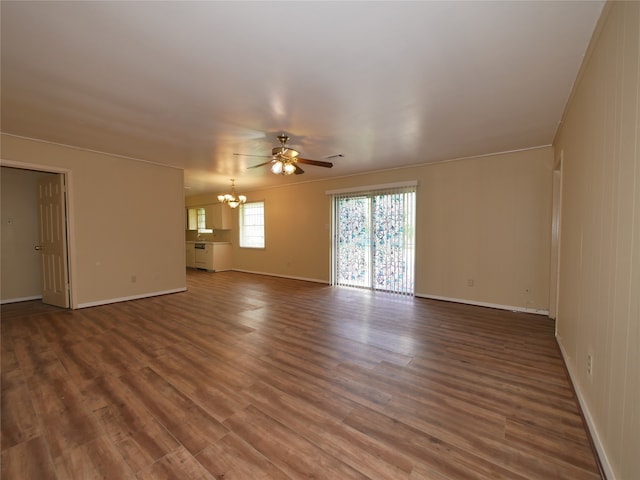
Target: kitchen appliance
201 256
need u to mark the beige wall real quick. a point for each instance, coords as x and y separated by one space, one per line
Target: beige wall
19 262
486 219
599 296
126 220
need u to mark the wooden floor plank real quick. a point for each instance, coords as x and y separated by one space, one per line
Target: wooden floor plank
94 460
348 445
253 377
176 465
440 455
285 448
230 458
19 420
28 460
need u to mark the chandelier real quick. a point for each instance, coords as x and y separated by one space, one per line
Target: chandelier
230 198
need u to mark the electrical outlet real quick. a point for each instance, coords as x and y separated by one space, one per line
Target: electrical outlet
470 282
589 364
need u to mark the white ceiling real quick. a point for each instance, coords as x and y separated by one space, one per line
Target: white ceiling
387 84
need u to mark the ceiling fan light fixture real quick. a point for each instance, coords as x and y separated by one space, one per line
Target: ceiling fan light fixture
289 168
277 167
286 160
283 167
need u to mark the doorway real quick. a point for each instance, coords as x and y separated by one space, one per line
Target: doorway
21 240
374 239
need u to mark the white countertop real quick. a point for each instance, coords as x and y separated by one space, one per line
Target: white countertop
209 243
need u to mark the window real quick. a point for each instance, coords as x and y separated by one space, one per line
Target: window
202 221
374 239
251 220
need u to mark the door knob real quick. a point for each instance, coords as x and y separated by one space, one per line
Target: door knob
37 248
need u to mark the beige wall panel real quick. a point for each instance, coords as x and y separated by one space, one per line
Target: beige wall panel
486 219
127 221
297 233
599 302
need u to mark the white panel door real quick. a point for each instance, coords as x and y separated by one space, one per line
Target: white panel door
53 241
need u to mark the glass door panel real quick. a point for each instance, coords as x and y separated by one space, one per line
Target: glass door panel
374 243
353 259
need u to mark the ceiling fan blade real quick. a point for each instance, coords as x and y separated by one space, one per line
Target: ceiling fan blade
249 155
298 170
317 163
260 164
334 156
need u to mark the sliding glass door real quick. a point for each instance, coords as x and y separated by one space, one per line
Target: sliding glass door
374 239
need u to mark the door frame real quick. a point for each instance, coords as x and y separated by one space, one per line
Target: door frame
556 224
369 192
69 209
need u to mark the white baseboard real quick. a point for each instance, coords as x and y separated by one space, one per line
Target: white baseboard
21 299
485 304
316 280
602 455
132 297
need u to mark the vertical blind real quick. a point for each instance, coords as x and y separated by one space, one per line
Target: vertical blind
374 238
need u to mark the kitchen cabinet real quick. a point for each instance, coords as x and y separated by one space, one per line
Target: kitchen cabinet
211 217
218 216
190 252
210 256
221 256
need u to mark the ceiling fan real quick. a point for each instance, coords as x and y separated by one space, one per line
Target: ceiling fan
284 160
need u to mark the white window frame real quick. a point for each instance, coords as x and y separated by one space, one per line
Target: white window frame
255 240
201 220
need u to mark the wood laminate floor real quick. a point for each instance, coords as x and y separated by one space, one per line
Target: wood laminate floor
252 377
